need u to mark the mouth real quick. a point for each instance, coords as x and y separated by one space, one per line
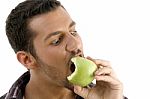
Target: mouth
72 65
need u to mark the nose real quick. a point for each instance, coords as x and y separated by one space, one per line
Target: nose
74 46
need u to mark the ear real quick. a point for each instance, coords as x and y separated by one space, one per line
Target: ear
26 59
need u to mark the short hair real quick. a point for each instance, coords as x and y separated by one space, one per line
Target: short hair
19 35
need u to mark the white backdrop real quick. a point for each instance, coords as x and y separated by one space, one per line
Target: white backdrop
115 30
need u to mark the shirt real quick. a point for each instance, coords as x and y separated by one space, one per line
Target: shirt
18 88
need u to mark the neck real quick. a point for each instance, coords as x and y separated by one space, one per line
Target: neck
38 88
52 93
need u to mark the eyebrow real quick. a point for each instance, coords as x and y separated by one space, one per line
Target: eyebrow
58 32
51 34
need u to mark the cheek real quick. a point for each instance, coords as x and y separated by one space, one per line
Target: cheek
54 56
51 55
54 60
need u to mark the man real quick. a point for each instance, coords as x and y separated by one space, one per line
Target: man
44 38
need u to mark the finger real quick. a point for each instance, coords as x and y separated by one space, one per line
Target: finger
100 62
103 71
114 83
83 92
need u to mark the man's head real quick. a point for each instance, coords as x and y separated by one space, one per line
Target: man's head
17 30
43 35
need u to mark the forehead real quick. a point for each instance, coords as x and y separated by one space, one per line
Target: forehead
51 21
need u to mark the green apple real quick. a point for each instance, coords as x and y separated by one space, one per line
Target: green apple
84 70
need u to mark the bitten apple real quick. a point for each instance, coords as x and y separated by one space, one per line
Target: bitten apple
84 70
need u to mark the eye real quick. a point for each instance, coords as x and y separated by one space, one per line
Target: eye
74 33
56 41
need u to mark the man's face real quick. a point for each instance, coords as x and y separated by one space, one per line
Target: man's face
55 44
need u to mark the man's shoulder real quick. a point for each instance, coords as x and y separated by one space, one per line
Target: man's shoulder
17 89
3 97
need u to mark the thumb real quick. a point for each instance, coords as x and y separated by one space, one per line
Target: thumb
83 92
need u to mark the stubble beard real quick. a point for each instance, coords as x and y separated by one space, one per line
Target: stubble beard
53 75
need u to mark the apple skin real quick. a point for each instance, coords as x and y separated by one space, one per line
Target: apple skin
84 70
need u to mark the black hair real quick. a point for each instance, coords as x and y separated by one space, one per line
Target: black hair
19 34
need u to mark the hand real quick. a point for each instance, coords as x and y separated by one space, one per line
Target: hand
107 84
